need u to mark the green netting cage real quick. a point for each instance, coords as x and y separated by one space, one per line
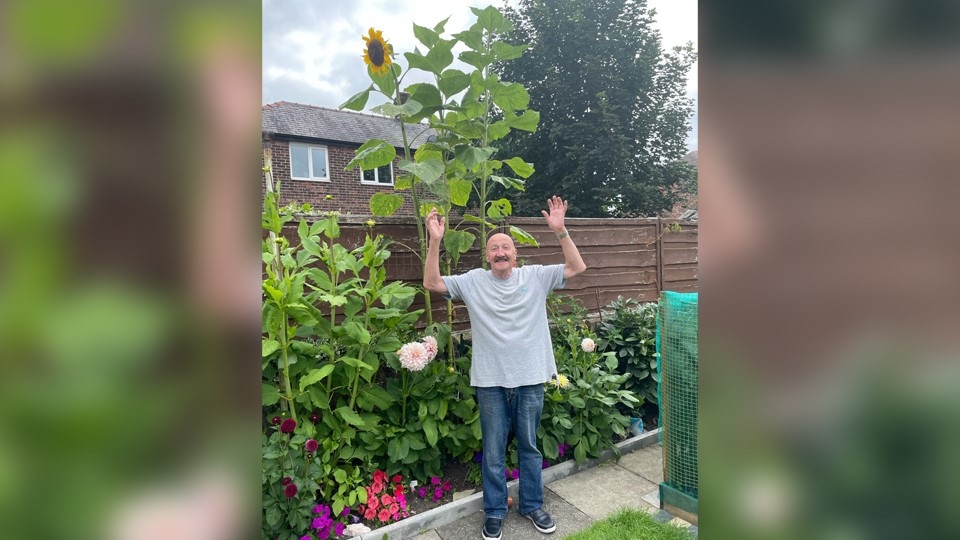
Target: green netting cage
679 403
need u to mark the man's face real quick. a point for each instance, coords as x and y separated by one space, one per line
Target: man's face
501 253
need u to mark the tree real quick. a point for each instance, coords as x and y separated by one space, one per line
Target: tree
613 110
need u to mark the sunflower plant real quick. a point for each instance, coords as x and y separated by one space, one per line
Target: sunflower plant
466 111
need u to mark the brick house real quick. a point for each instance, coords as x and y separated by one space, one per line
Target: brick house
311 146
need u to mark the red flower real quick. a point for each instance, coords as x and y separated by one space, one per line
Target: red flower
310 445
290 490
397 491
384 515
370 513
373 503
397 479
394 508
288 425
377 486
314 418
286 480
276 420
386 499
379 476
447 486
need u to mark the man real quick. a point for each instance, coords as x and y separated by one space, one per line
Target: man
512 356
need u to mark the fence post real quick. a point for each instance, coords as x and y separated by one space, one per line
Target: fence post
659 256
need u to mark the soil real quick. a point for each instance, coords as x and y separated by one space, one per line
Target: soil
456 474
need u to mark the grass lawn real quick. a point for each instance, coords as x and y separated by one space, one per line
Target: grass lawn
629 524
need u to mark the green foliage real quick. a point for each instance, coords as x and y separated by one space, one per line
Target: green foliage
631 523
629 331
466 112
586 414
613 103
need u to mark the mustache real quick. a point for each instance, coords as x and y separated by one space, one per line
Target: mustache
501 258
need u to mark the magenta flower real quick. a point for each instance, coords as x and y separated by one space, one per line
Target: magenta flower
447 486
344 512
288 425
290 491
422 492
435 480
310 445
515 474
314 418
339 528
306 537
276 420
438 493
545 464
286 480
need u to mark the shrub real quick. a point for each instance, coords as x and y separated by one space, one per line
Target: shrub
629 331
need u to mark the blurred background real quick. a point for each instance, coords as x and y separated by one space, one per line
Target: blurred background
129 302
829 136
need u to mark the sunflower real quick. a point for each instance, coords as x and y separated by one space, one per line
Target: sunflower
377 52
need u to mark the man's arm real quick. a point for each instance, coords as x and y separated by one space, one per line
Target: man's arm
573 262
432 281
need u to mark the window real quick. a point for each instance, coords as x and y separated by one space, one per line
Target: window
380 175
308 162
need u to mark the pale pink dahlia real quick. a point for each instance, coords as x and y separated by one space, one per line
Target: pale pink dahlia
588 345
430 343
414 356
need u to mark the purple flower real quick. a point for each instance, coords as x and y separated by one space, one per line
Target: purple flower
506 473
422 492
339 528
306 537
447 486
344 512
276 420
438 493
478 458
514 474
314 418
562 448
355 519
435 480
545 464
310 445
288 425
290 491
286 480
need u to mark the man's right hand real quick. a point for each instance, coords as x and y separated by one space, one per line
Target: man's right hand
435 224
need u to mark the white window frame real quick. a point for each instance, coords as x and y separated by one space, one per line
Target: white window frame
310 147
376 175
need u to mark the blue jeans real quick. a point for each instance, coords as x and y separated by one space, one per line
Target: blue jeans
501 409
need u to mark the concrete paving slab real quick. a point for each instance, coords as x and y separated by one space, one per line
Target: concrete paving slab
428 535
601 491
653 498
516 527
646 462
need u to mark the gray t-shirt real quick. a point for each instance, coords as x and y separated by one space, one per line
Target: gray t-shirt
508 319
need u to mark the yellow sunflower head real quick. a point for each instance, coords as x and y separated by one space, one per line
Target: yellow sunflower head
377 53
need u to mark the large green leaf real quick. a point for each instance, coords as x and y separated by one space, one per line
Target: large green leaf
458 242
528 121
268 347
499 208
372 154
475 219
428 170
506 181
376 396
510 96
386 82
476 59
471 38
498 130
357 101
453 81
426 95
357 331
523 236
471 156
430 430
520 167
505 51
269 395
425 35
491 20
314 376
350 417
385 204
440 55
460 191
408 109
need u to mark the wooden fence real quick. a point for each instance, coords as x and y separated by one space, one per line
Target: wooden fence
634 258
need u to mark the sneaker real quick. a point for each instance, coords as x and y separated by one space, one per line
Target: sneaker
542 521
492 528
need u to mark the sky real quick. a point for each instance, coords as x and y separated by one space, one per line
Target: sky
312 49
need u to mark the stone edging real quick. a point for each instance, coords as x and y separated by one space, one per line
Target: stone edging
450 512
